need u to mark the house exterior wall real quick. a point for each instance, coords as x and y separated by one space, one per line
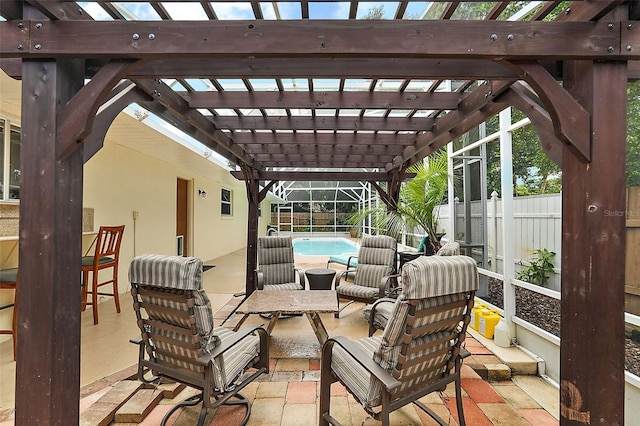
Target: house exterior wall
119 180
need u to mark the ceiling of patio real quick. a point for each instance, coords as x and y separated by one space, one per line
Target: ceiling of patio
376 107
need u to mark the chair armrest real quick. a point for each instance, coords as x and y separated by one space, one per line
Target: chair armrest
238 337
136 340
259 279
372 315
349 260
344 274
387 380
385 287
301 279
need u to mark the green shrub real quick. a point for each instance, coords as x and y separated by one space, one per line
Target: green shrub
539 269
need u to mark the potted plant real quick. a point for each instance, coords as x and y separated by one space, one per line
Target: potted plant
417 209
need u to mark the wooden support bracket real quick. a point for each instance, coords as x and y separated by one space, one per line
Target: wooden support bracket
76 118
571 122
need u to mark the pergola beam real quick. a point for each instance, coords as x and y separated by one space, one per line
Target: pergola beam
503 40
324 99
309 176
321 122
364 140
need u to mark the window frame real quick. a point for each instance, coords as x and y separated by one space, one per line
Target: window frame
224 203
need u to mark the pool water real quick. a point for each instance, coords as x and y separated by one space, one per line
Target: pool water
323 246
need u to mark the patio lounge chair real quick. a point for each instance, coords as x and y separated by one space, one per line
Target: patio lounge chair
276 270
375 277
420 350
378 313
180 342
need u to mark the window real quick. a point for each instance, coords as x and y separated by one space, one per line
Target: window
9 160
225 202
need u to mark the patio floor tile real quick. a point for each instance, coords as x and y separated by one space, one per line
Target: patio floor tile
481 391
301 393
473 415
539 417
300 415
503 415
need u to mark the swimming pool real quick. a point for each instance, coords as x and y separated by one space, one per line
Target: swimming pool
323 246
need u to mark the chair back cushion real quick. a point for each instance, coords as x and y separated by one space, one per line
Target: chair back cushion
376 258
451 248
427 282
177 273
275 260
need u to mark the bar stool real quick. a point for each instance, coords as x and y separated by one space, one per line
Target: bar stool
9 281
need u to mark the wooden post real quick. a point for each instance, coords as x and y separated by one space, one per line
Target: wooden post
253 198
48 366
593 252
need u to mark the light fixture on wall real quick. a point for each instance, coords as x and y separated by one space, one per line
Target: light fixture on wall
202 193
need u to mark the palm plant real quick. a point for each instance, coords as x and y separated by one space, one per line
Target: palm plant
417 210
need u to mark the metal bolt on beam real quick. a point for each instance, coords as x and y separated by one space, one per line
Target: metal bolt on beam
629 48
38 46
567 11
510 37
20 24
135 36
20 47
493 37
629 26
610 49
38 25
152 36
610 25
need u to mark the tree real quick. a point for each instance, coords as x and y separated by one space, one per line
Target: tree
417 205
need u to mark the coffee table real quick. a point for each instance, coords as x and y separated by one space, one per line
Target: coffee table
310 303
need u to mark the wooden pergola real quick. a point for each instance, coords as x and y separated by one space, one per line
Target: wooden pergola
564 64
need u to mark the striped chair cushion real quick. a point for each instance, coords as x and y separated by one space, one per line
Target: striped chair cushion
232 363
350 372
451 248
376 258
359 291
382 314
176 273
275 257
434 280
281 287
430 276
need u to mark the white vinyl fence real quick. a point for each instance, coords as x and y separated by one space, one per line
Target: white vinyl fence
538 225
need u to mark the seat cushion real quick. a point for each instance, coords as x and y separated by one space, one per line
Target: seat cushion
351 373
382 313
9 275
88 260
234 361
354 290
281 287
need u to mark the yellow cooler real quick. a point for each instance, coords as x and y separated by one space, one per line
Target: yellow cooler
487 323
475 315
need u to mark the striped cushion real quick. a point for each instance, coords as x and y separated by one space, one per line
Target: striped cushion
281 287
350 372
177 273
449 249
430 276
376 258
434 280
232 363
360 291
382 314
167 271
275 257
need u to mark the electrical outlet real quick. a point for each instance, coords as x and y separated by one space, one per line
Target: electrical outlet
136 213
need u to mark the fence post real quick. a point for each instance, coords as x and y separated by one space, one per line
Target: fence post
508 223
494 216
